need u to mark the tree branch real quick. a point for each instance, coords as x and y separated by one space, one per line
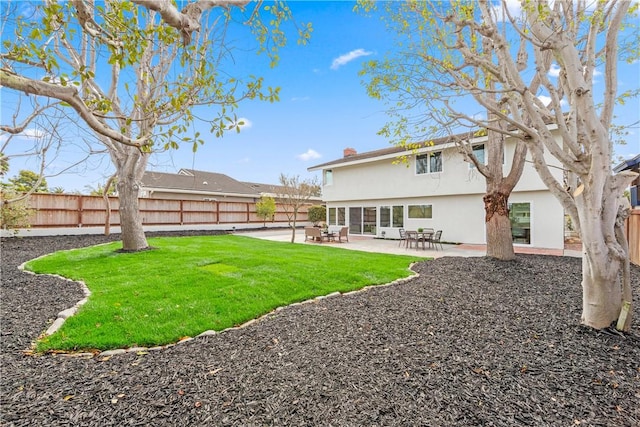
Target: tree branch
69 95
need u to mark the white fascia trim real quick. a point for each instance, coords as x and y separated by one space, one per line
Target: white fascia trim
439 147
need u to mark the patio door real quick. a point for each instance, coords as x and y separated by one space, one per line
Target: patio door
355 220
363 220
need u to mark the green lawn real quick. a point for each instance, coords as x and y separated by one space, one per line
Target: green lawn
188 285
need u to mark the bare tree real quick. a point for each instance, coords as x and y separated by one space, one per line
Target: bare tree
464 52
135 73
294 193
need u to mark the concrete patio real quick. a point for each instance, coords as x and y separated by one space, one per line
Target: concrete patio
371 244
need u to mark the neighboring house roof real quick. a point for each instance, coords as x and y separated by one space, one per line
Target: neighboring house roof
263 188
191 181
198 181
629 164
202 182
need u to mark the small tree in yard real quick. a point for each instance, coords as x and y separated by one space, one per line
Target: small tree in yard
317 214
266 208
294 194
531 71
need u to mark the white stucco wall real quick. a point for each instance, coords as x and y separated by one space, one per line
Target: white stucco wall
455 195
461 217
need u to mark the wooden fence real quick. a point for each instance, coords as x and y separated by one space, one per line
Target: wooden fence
64 210
633 236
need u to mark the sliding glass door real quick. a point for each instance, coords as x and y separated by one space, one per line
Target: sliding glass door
355 220
362 220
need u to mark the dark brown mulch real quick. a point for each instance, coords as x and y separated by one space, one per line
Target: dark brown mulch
471 342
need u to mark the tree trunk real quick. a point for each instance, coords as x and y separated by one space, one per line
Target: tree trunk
602 292
133 238
498 226
129 171
107 202
293 226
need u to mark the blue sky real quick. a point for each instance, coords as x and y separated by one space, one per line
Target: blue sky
323 109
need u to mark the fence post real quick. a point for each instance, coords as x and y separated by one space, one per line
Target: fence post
80 199
181 212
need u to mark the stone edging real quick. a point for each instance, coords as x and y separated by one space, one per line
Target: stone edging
63 315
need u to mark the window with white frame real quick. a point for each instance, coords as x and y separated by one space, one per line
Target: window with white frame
420 211
331 220
398 217
336 216
429 163
328 177
342 217
392 216
422 164
385 216
478 152
435 162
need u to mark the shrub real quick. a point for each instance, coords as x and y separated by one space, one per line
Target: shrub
317 214
14 214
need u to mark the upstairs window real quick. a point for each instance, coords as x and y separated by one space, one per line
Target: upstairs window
328 177
422 164
429 163
478 152
435 162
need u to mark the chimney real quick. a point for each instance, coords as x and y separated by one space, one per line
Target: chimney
348 152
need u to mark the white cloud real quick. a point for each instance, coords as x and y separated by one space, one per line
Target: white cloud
27 134
513 6
310 154
300 98
348 57
546 100
554 71
33 133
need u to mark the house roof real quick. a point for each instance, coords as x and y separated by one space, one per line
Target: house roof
191 180
397 150
194 180
628 164
263 188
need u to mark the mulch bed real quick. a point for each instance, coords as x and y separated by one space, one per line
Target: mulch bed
471 342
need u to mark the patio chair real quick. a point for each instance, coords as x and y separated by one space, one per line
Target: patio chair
314 233
403 237
412 236
344 232
435 240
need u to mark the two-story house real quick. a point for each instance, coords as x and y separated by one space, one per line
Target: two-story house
376 194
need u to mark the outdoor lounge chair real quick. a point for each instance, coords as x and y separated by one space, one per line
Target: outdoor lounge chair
314 233
344 232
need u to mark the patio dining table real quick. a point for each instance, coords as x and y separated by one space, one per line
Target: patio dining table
329 236
420 236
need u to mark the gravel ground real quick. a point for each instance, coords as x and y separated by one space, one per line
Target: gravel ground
471 342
